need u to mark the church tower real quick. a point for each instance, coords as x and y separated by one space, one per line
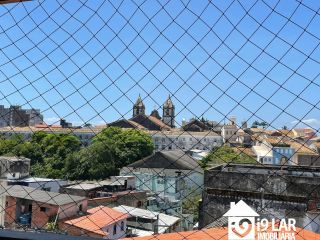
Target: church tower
138 107
168 113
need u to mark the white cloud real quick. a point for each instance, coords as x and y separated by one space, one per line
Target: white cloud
52 120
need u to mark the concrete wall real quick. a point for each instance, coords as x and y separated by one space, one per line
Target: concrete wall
40 218
72 209
271 191
52 186
120 230
185 141
166 181
132 199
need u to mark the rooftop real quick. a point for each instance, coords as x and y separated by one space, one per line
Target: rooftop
37 179
33 194
297 171
97 218
175 159
84 186
13 159
180 132
165 221
244 150
262 151
217 233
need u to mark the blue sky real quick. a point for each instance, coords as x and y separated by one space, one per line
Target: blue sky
87 61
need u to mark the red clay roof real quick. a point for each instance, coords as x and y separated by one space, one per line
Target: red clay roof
216 234
97 218
158 122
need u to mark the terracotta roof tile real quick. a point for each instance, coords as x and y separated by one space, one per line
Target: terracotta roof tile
301 148
158 122
215 234
96 219
243 150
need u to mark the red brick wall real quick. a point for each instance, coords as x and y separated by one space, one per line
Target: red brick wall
40 219
10 211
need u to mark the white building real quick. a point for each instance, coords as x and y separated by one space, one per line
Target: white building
46 184
168 173
229 133
198 154
263 153
185 140
101 221
143 222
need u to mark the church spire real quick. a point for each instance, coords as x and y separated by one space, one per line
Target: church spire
138 107
169 113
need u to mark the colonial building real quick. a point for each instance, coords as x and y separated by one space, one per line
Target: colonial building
168 113
201 125
173 174
229 132
177 139
153 121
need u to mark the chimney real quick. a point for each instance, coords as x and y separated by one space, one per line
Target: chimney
232 204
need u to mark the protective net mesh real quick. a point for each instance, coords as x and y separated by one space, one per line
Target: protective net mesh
139 118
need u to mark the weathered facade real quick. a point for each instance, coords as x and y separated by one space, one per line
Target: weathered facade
15 116
35 208
14 167
273 191
153 121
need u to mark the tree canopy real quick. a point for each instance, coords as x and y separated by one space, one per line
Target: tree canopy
226 154
63 156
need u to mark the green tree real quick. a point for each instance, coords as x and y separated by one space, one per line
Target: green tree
128 145
226 154
190 205
9 145
93 162
48 153
255 124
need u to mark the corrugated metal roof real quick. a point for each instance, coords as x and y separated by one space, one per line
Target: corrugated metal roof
53 198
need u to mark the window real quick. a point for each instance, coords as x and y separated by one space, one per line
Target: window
43 209
115 229
122 226
139 204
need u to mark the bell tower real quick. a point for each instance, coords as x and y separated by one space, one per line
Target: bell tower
138 107
168 116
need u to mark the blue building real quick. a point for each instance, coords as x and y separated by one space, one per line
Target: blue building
282 154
